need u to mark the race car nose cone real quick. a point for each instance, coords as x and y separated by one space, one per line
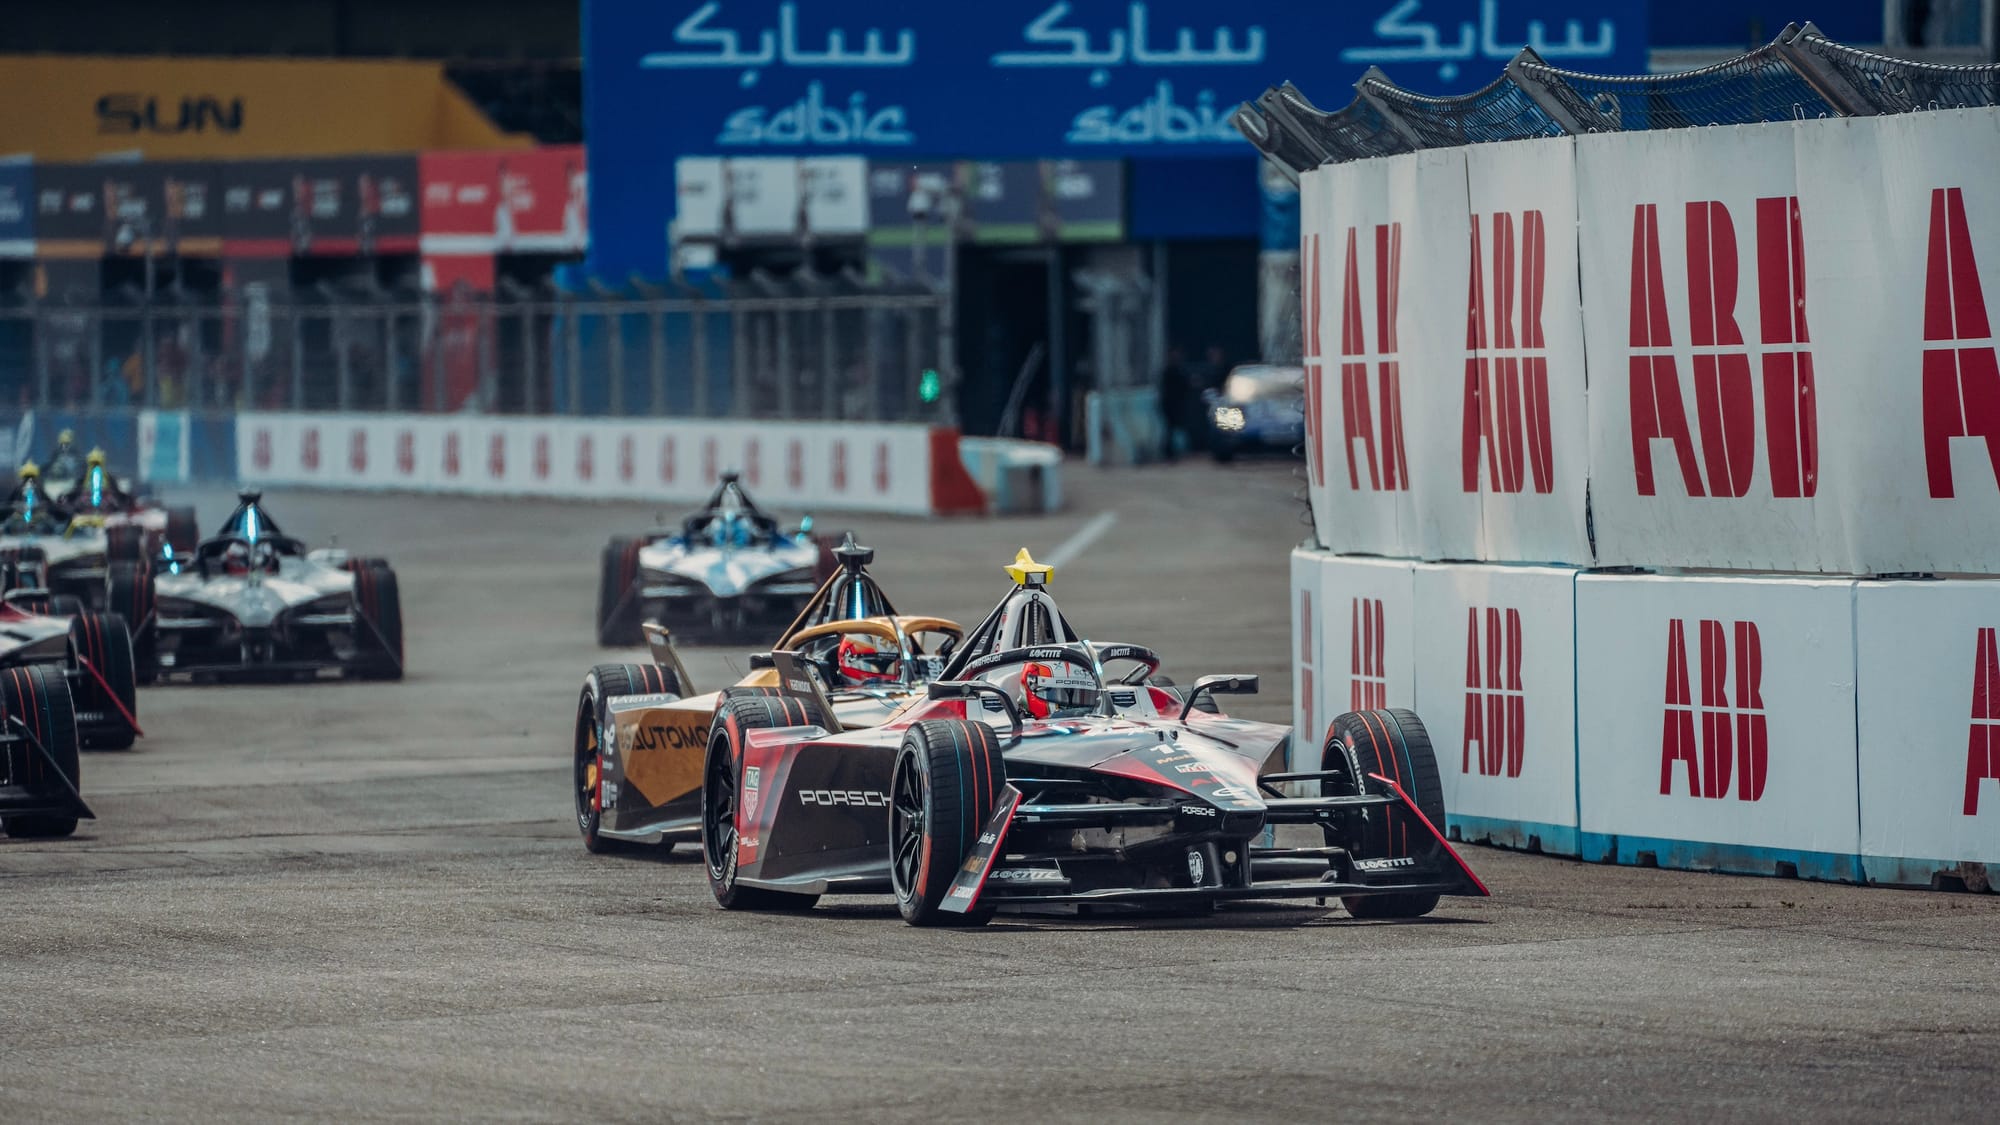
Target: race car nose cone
258 605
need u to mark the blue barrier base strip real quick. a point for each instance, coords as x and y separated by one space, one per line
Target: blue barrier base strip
1898 871
1517 835
1736 859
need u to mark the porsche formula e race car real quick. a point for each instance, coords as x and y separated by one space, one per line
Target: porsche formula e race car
730 566
254 602
89 653
97 556
642 733
1029 778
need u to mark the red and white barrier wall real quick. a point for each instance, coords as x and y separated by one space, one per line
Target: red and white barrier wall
906 469
1764 347
1831 728
1764 350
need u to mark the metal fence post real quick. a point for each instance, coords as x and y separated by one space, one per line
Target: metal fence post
573 324
788 375
698 348
1826 79
656 359
1389 115
613 319
1535 88
298 360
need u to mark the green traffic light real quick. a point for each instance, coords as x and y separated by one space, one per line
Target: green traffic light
930 386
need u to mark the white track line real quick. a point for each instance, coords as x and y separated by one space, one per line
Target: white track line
1089 533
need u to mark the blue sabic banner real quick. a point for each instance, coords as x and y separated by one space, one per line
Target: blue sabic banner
1014 79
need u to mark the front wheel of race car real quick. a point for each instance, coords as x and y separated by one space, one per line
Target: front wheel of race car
36 696
183 530
125 542
618 605
605 683
1392 744
724 810
380 605
946 783
106 684
129 594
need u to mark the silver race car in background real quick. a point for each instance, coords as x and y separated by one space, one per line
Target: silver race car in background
728 568
252 601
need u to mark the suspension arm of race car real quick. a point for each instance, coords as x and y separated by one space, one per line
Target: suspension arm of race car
1321 889
1312 810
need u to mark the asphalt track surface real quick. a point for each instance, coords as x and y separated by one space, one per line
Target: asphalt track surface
359 901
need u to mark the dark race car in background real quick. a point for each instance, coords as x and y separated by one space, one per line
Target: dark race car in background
89 652
641 732
254 602
1030 778
728 568
1258 407
39 775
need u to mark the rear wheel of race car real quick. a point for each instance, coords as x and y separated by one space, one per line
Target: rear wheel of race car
721 793
37 696
129 594
183 530
381 607
108 687
125 542
1393 744
604 683
946 783
617 596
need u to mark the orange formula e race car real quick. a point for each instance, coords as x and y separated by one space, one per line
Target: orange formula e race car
642 731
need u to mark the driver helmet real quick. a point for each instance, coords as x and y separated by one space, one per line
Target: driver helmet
866 659
730 529
1047 689
96 477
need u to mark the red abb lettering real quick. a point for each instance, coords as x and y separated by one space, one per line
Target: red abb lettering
1388 465
1309 292
1962 384
1725 403
260 449
496 456
542 456
357 450
586 457
667 457
451 453
751 457
1982 752
1710 762
309 449
882 468
1368 673
1496 707
840 465
1507 373
708 470
406 452
795 464
627 462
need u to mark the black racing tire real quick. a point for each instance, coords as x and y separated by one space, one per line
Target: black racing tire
124 542
740 712
363 562
129 594
38 696
1394 744
66 605
946 783
617 594
103 640
1223 451
380 604
183 529
605 682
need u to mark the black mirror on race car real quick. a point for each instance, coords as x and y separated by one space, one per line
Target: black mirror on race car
1224 684
966 689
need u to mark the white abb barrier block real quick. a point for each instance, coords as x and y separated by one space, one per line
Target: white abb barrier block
857 467
1715 723
1929 717
1309 717
1706 427
1519 434
1367 627
1902 254
1495 673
